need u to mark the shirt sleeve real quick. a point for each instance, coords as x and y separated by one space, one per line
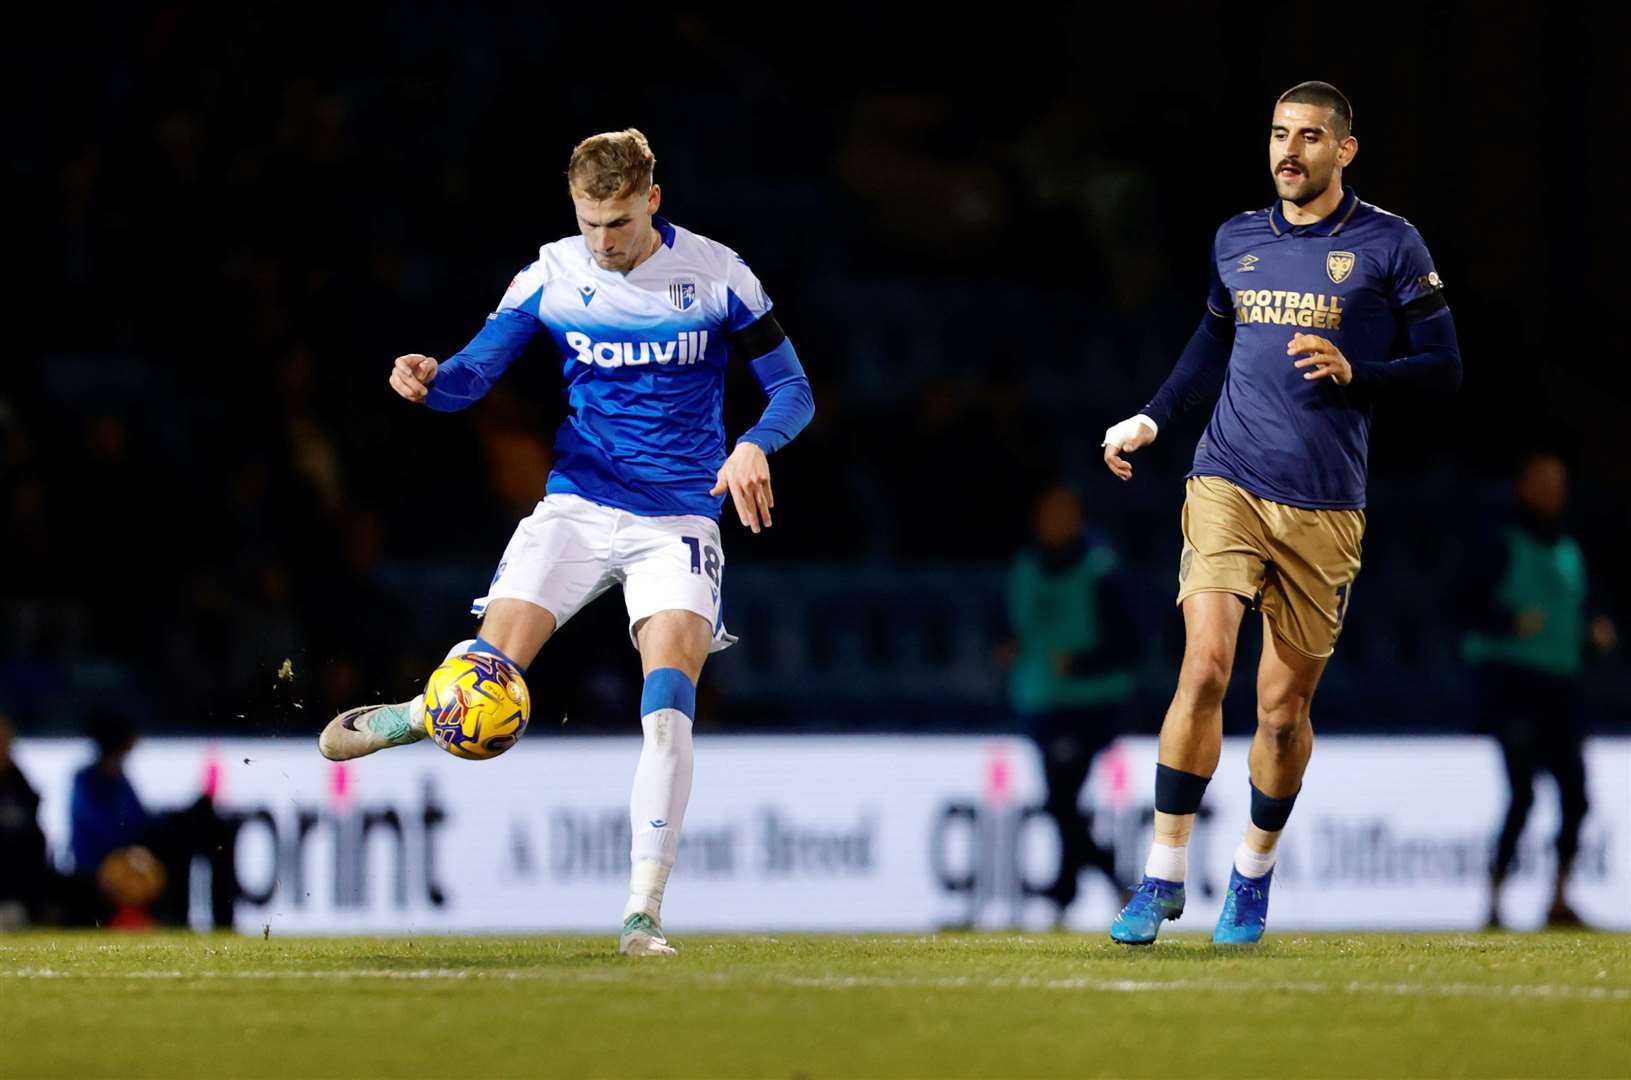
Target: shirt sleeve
775 367
1414 287
1199 373
1432 359
462 379
1219 303
745 299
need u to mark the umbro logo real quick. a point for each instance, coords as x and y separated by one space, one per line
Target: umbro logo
1247 264
587 292
659 823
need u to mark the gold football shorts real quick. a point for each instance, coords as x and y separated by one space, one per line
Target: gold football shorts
1298 566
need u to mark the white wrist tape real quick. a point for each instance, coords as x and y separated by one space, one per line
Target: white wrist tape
1119 434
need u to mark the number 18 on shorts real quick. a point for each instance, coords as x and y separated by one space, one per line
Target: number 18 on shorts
569 550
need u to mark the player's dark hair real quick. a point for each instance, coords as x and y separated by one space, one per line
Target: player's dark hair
1315 92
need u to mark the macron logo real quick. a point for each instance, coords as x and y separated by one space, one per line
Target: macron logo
587 292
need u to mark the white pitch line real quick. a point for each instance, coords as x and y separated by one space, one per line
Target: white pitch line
883 982
1137 986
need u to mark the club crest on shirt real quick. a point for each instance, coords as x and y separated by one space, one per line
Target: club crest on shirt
682 294
1338 265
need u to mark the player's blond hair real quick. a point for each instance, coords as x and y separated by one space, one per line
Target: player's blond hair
612 165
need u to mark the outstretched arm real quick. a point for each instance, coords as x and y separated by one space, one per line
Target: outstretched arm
463 378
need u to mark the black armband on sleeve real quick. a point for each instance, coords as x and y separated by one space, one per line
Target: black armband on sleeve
1423 306
757 338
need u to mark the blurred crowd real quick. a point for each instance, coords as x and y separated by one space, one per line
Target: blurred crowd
216 515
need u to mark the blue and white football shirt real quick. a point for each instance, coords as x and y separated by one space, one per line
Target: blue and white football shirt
644 357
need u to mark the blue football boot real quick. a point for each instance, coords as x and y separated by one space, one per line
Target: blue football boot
1154 901
1245 910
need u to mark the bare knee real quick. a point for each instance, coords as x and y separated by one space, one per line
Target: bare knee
1283 719
517 628
1205 674
1211 627
674 638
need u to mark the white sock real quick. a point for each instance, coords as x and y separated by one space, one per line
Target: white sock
1167 863
1253 864
662 787
416 707
462 647
647 881
416 717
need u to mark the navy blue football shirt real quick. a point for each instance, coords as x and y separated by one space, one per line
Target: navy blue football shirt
1355 277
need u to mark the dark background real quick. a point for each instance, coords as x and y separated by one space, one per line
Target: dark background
987 236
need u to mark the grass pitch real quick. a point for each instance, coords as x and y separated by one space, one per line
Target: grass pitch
92 1005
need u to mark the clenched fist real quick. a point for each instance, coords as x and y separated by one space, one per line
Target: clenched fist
411 376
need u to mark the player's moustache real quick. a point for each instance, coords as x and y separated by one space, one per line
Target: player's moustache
1287 163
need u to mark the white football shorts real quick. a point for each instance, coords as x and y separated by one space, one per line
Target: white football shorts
570 550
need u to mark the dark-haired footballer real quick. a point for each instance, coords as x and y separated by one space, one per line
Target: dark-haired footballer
1320 306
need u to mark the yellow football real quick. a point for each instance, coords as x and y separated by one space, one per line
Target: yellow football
476 705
